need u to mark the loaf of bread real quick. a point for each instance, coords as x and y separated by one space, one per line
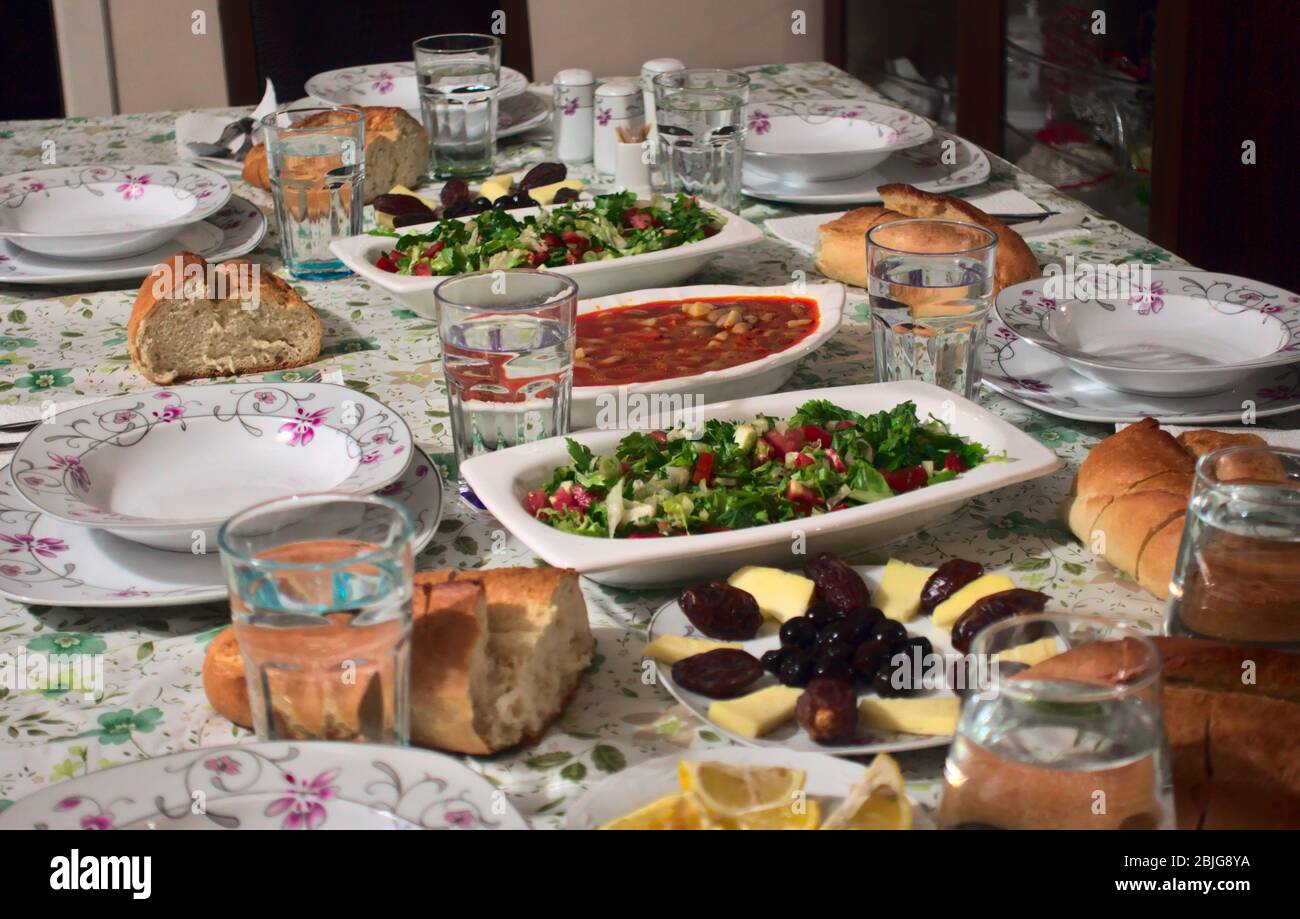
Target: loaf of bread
841 251
192 320
496 656
1232 717
1129 499
397 151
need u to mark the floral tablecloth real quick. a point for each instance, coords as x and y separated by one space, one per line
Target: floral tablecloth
71 342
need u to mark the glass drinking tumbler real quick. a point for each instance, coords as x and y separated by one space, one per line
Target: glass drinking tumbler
458 77
700 123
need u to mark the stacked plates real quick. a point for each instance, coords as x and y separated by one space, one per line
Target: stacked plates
1177 345
82 223
118 503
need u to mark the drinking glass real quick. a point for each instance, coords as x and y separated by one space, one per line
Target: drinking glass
700 122
458 76
1076 748
1238 572
320 596
507 355
930 284
316 162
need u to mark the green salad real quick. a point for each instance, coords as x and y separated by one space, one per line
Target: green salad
611 226
732 475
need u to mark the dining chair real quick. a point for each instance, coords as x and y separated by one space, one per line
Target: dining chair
288 43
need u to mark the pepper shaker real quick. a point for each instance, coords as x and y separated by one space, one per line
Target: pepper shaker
618 105
649 70
573 93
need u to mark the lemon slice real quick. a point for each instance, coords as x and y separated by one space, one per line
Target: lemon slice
673 812
877 802
785 817
729 791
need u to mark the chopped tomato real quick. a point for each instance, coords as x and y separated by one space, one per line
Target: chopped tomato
422 269
838 425
801 493
660 436
582 497
954 462
816 433
836 463
536 258
791 441
909 479
802 459
574 238
563 500
571 258
639 220
703 468
550 241
386 264
535 501
434 249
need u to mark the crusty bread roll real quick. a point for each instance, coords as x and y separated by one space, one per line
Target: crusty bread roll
842 243
1232 717
397 151
1129 499
190 320
496 655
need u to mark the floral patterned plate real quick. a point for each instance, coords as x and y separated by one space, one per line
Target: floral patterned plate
233 231
275 785
670 620
94 212
51 563
389 84
925 166
1043 381
158 467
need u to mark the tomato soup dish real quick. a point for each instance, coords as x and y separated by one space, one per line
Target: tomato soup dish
678 338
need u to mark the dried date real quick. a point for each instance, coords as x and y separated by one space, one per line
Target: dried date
404 205
565 195
994 608
838 585
454 193
542 174
721 611
828 710
718 674
951 577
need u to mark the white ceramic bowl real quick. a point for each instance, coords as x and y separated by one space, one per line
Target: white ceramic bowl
391 84
755 378
105 212
824 141
502 479
1177 333
160 467
594 279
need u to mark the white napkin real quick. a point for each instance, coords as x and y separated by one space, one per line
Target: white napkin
196 127
1272 436
1008 201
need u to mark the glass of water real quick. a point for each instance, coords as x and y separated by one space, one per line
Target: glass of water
507 355
930 284
700 122
1077 744
316 164
458 76
320 597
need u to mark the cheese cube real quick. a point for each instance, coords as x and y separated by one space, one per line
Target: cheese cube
669 649
758 713
950 610
493 190
935 715
899 593
780 595
545 194
1030 653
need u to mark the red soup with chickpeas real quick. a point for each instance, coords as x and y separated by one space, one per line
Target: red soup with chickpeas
677 338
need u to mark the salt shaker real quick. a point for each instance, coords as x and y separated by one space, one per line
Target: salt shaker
618 105
649 70
573 93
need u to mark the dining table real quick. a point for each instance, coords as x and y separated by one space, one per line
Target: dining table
63 343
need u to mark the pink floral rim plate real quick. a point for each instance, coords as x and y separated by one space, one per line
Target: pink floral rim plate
45 561
233 231
157 467
105 211
274 785
1166 332
389 84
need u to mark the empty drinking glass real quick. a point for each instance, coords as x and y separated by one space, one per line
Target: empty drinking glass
700 122
320 597
930 284
458 76
316 164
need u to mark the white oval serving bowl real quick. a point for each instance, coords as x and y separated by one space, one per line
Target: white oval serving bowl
105 212
825 141
502 479
754 378
1178 333
594 279
161 467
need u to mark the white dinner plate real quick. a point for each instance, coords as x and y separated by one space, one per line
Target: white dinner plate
48 562
156 467
1041 380
274 785
828 781
924 166
754 378
389 84
670 620
233 231
105 211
